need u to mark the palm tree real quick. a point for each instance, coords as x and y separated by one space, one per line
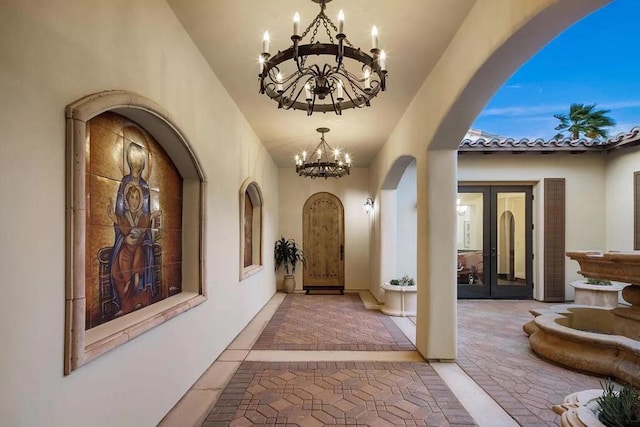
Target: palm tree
582 119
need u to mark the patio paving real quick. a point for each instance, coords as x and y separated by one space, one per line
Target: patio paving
493 351
330 322
337 393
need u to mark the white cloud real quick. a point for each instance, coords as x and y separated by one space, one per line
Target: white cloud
538 110
523 111
619 105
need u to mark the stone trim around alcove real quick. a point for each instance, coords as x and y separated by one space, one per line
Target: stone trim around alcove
82 346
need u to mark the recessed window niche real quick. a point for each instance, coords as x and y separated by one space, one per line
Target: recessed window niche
250 228
135 200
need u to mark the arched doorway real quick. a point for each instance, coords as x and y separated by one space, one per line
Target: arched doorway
323 242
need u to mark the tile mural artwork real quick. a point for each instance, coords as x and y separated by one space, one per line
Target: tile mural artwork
134 220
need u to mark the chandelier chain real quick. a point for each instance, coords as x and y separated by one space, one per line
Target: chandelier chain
328 32
306 31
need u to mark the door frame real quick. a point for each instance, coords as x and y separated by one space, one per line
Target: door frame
490 287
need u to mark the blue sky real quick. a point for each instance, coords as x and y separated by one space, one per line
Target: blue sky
597 60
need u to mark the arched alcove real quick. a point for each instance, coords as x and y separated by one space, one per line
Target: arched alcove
397 221
250 228
132 121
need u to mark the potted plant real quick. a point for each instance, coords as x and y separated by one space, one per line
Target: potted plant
400 297
597 408
287 254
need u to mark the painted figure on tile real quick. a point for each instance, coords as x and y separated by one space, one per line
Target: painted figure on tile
132 258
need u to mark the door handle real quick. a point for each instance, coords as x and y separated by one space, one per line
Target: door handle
341 252
493 251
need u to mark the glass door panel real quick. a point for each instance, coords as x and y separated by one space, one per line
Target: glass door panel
510 221
472 277
511 246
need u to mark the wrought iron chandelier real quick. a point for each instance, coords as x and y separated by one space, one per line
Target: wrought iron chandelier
298 79
319 163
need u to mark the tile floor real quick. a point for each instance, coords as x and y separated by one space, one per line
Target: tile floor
312 360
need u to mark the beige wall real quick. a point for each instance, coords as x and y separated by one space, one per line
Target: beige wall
619 198
585 198
407 227
53 53
352 190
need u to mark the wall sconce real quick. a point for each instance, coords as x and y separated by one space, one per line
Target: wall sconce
368 205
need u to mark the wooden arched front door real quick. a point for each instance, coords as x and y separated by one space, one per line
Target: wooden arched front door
323 242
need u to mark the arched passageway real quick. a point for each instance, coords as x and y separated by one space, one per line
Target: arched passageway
466 76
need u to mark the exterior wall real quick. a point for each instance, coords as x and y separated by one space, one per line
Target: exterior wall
352 190
585 199
54 54
619 198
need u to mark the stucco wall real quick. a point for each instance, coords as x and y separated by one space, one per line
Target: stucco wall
619 198
54 53
352 190
585 199
407 228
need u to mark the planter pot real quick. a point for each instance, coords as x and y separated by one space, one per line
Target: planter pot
289 283
400 300
596 295
579 409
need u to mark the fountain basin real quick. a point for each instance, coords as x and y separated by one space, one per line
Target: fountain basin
583 338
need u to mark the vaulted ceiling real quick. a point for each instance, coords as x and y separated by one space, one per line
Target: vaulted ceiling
414 33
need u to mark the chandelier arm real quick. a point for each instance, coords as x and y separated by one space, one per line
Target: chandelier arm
336 105
376 86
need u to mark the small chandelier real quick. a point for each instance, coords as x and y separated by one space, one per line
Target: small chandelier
319 163
313 85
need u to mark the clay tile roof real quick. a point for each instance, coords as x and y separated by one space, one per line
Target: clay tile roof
485 143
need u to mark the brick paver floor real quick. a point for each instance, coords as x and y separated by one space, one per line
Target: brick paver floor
330 322
492 349
337 393
495 352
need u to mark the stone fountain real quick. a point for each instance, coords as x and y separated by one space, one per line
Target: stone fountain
595 339
620 267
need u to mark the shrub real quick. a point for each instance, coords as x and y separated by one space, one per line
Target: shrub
403 281
619 408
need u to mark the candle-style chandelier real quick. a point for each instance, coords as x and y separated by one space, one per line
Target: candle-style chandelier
297 78
325 161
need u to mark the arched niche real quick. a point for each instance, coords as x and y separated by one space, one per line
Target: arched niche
398 220
251 234
83 345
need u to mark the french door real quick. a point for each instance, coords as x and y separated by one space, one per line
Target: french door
494 242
